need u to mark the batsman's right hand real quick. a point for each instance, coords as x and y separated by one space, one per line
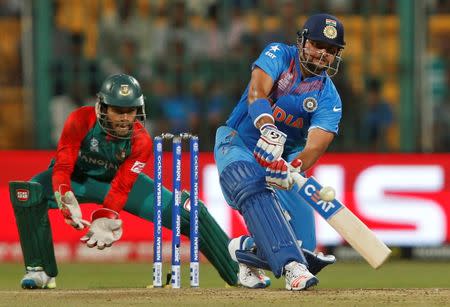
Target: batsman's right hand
279 173
270 145
70 209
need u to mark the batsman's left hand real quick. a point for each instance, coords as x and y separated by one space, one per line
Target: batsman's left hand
270 145
106 228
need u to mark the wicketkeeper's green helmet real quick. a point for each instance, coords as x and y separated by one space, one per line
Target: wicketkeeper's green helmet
122 91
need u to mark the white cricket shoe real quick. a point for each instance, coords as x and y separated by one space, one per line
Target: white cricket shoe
248 276
36 278
252 278
298 277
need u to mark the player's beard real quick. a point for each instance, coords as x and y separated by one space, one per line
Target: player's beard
122 129
316 68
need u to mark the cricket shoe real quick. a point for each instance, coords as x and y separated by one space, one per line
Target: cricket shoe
317 261
36 278
252 278
248 276
298 277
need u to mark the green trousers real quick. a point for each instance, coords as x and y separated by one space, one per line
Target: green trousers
213 240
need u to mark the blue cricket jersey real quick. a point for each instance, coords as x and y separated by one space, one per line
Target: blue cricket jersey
297 105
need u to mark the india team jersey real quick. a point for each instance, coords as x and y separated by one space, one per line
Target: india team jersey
297 105
86 151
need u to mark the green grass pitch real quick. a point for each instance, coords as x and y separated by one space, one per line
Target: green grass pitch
397 283
394 274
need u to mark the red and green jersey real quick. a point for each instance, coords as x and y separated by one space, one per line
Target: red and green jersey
84 149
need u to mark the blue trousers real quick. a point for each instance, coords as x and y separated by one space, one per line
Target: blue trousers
230 148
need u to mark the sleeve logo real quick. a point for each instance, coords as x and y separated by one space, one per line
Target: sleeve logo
137 167
271 52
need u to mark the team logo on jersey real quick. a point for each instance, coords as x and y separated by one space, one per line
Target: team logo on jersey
94 145
121 155
310 104
124 90
330 32
137 167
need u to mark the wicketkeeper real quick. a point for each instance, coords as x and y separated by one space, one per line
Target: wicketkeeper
99 159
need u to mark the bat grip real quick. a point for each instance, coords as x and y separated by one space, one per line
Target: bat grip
299 179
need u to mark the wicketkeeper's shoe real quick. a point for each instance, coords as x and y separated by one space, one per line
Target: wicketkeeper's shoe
252 278
298 277
36 278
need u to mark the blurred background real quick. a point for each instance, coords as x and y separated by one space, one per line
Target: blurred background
193 60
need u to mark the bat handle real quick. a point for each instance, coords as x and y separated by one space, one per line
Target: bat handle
298 179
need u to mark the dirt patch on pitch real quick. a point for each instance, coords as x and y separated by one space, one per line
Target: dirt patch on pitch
232 296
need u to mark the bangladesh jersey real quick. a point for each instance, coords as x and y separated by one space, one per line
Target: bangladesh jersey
85 150
298 104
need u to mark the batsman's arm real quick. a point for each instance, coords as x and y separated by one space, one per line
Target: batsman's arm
259 89
270 145
316 144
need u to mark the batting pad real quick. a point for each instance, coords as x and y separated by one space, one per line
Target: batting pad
273 235
244 184
33 225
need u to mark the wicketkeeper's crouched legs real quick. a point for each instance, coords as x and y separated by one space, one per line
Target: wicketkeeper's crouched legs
213 241
31 212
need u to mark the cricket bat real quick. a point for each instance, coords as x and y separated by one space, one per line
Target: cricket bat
350 227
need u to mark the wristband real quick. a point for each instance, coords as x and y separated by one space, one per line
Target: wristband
258 108
267 125
296 163
105 212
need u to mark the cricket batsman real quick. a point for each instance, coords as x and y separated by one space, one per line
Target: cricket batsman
285 120
99 159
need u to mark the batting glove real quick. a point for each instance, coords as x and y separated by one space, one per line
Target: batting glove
70 209
270 145
296 166
277 175
106 228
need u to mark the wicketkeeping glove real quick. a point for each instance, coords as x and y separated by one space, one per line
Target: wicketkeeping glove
70 209
106 228
270 145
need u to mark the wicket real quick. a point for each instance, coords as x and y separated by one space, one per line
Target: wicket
176 210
